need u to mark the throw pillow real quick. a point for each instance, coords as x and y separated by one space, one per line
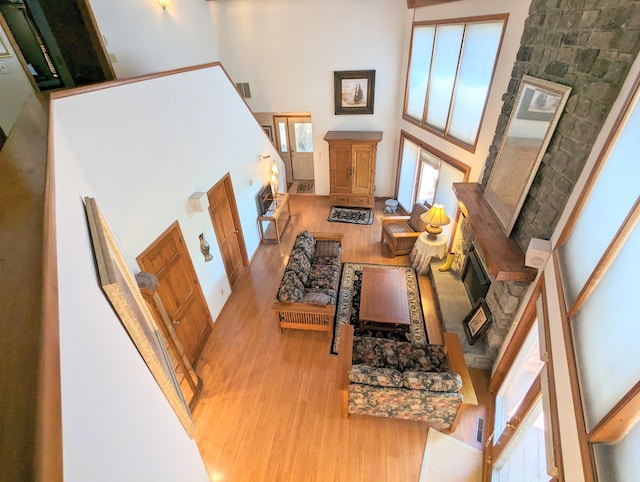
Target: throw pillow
306 242
291 288
316 298
299 263
329 248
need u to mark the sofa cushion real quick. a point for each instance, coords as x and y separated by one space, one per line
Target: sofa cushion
381 377
327 248
430 358
291 288
323 276
374 352
434 382
415 222
299 263
317 298
318 294
306 242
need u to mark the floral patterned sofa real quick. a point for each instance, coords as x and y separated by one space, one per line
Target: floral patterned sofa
396 379
308 292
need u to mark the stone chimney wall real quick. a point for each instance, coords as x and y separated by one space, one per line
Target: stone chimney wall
590 46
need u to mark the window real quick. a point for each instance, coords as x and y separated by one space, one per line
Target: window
425 174
451 66
524 443
598 269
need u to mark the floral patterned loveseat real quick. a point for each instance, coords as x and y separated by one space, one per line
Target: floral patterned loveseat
308 292
395 379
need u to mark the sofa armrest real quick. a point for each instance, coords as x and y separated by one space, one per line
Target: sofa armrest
345 355
459 365
393 219
329 237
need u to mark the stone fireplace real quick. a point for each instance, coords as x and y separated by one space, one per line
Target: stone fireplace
503 297
494 266
474 276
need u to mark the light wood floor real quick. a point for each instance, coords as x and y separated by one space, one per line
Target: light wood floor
269 410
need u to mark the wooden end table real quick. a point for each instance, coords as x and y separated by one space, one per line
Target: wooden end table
384 304
276 217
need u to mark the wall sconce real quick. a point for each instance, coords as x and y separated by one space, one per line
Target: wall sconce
435 218
164 3
204 247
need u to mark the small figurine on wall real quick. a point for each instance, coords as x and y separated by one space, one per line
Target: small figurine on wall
204 247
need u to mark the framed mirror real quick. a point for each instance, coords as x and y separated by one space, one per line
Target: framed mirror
536 112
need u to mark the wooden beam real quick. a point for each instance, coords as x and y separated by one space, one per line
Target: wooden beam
426 3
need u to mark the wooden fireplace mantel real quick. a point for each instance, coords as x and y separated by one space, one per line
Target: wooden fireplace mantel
505 259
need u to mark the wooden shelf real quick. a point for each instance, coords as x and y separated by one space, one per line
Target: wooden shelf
505 259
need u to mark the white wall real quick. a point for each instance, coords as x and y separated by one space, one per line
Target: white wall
153 144
288 50
15 87
145 38
518 12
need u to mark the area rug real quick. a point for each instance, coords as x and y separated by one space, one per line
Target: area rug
304 187
350 215
348 307
447 458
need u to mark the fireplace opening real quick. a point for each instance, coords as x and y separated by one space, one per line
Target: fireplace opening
474 277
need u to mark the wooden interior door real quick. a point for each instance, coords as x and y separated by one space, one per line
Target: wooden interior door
226 224
340 167
179 289
363 157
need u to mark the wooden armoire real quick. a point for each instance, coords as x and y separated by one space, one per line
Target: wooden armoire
352 167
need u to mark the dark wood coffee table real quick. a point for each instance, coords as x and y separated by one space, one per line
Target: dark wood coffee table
384 304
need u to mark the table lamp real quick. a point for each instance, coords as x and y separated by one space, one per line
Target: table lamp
435 218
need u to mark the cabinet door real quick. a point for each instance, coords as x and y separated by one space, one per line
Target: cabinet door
340 167
363 172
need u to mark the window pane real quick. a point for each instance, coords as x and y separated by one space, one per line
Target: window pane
443 75
282 131
476 68
607 335
521 376
525 459
429 169
420 64
408 168
619 462
304 139
615 192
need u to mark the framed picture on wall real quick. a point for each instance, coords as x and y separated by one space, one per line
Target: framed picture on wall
267 130
354 91
477 321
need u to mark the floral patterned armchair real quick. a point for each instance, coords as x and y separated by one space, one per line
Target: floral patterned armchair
395 379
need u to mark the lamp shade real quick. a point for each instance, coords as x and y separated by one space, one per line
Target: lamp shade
435 218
